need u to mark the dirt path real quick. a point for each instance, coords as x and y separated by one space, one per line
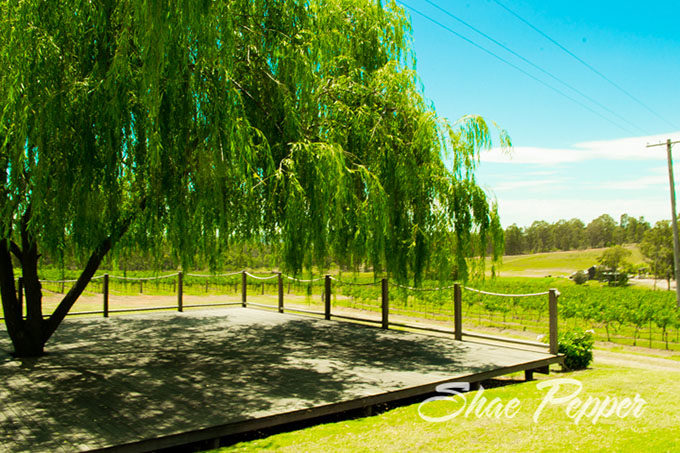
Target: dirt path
635 361
651 283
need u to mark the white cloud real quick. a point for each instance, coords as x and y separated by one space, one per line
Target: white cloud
636 184
524 184
611 176
634 148
655 178
541 173
531 155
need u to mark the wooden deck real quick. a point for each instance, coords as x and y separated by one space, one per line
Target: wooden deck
143 382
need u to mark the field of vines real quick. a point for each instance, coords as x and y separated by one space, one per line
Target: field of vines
628 315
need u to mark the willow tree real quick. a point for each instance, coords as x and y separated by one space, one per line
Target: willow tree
198 123
385 179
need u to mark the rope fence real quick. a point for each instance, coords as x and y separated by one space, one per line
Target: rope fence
378 291
143 279
411 288
302 281
342 282
260 278
488 293
213 275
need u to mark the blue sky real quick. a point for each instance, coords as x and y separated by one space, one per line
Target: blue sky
567 160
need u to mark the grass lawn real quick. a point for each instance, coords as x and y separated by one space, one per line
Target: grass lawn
557 263
403 429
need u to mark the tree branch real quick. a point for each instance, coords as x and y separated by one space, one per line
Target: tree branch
14 248
86 275
258 104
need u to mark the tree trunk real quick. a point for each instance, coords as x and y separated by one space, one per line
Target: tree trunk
26 336
77 289
30 335
34 323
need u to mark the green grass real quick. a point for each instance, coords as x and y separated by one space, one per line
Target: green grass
558 263
402 429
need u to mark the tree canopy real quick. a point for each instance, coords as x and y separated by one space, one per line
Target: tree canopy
657 248
573 234
131 123
614 257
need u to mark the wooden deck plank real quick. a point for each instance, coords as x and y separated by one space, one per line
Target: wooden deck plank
165 376
51 415
28 422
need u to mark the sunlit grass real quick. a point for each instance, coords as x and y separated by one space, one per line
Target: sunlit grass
402 429
558 263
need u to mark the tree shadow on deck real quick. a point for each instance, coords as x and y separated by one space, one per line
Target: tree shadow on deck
112 381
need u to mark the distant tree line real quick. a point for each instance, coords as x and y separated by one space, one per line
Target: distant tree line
573 234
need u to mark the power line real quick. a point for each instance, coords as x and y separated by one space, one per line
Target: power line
610 81
531 63
485 50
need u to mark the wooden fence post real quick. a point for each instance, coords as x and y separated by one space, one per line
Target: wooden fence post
280 281
180 289
385 304
327 297
20 283
458 311
244 288
105 291
552 313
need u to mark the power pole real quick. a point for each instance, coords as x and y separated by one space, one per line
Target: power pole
676 247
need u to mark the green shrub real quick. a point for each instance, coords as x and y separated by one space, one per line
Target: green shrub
580 277
577 347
